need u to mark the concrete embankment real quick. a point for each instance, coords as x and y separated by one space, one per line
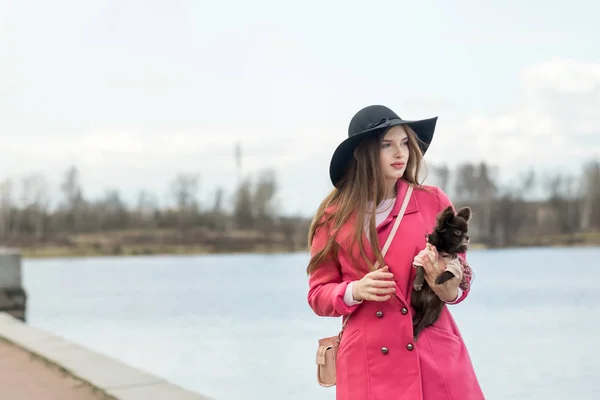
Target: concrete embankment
38 365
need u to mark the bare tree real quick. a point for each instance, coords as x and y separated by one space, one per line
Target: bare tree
218 205
37 198
264 203
484 196
466 182
560 189
264 193
73 199
184 188
146 208
114 212
590 196
443 174
6 204
510 211
243 208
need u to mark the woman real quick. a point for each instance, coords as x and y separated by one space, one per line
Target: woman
378 357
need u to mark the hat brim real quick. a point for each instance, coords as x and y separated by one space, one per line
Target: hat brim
424 129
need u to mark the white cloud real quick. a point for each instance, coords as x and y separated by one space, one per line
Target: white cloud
4 11
132 160
553 122
563 76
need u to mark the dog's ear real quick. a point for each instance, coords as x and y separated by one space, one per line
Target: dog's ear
445 217
465 213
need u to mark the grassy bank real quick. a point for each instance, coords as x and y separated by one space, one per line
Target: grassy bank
573 239
172 242
159 249
160 242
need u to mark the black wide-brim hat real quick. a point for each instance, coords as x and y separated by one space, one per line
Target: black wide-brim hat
373 120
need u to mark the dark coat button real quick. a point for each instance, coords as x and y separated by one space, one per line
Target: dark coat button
379 314
410 347
384 350
404 311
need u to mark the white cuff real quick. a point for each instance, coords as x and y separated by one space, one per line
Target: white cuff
348 299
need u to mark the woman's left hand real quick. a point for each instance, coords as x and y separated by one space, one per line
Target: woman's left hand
447 291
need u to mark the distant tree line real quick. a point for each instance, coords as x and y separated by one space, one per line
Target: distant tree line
25 207
27 219
534 210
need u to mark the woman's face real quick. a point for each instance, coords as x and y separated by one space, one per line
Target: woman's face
394 153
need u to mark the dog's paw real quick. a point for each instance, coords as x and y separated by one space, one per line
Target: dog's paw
444 277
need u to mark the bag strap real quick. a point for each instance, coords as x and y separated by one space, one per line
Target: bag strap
389 238
396 224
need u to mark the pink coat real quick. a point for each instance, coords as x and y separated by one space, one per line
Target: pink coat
378 358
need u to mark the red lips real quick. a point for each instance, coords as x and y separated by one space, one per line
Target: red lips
398 165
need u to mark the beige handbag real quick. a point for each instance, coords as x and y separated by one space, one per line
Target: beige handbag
328 347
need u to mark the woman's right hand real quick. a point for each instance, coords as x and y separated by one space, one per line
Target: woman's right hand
375 286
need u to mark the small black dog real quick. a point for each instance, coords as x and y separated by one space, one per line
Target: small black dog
450 237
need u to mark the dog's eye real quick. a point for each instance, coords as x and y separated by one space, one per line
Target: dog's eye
457 233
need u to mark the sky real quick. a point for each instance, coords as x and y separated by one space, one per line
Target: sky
135 92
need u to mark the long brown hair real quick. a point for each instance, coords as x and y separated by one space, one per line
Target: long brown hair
362 182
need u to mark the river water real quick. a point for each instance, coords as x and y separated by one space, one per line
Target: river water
238 326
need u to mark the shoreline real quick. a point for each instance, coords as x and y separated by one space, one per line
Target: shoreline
56 252
160 251
204 242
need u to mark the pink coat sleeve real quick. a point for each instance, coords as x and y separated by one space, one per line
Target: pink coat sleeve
326 287
467 277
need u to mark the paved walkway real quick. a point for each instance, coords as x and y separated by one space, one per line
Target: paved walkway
26 377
